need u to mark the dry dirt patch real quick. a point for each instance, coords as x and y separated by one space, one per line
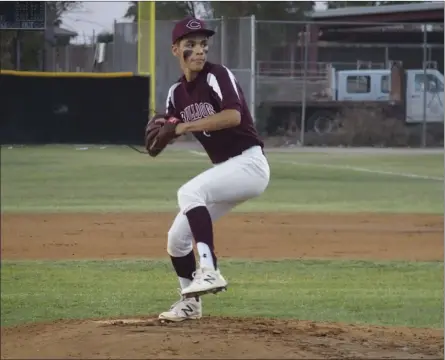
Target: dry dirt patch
261 236
215 337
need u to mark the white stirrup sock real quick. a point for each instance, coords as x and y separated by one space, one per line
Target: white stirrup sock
205 256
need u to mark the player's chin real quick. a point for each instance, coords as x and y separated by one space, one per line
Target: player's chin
197 66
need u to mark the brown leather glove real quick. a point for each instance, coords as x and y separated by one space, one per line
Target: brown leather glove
151 131
165 135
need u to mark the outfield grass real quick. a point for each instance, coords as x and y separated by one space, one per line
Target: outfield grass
59 178
396 293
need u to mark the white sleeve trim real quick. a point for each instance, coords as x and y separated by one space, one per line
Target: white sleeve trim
232 80
171 96
213 83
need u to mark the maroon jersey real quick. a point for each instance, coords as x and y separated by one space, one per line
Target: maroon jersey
215 89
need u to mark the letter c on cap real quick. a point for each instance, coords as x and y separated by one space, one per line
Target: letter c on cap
193 25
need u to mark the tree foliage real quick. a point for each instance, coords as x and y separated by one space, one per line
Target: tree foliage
55 10
343 4
105 37
273 37
263 10
271 34
170 10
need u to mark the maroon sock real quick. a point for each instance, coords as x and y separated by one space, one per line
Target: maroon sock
184 266
202 228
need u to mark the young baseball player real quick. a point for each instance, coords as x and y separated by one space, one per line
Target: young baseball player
208 102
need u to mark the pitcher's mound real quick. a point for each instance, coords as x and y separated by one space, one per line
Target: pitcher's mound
217 337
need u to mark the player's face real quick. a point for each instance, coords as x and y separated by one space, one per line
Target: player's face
192 52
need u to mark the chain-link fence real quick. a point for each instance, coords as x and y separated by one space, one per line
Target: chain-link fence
293 74
306 73
231 46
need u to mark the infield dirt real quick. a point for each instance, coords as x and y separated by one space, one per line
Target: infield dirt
254 235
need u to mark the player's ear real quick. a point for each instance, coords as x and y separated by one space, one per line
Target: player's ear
175 49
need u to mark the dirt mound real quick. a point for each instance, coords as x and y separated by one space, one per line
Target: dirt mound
214 337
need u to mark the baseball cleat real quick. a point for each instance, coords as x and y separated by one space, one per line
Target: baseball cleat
205 281
184 309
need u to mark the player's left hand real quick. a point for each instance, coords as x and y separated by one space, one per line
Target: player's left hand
151 132
166 133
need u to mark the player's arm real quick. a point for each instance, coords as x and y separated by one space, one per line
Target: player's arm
223 83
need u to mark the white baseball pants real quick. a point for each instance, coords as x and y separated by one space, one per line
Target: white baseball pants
220 189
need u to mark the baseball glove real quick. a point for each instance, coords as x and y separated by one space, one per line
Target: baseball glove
151 131
165 135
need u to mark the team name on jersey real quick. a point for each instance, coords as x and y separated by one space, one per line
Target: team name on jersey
197 111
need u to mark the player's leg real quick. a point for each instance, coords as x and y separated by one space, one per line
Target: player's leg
236 180
180 249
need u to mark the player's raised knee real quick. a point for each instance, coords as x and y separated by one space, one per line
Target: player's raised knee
189 197
177 245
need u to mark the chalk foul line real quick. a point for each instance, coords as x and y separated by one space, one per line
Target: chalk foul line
370 171
199 153
352 168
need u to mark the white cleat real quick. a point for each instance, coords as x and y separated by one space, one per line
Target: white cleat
205 281
184 309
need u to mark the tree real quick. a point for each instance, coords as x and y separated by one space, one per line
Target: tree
55 10
263 10
171 10
273 38
105 37
279 35
343 4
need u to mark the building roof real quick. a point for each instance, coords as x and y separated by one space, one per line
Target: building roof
375 10
58 31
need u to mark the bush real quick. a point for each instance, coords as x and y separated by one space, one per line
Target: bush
364 126
434 135
371 126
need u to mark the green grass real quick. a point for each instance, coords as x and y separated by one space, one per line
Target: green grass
59 178
116 179
396 293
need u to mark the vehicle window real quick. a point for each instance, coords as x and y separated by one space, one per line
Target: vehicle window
358 84
433 83
384 84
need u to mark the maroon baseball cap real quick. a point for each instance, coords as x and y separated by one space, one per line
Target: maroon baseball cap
189 26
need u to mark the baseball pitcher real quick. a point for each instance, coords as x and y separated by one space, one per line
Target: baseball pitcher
208 102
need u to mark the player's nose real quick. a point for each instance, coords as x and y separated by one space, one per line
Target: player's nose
199 50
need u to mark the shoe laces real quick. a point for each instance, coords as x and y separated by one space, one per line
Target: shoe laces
198 275
182 298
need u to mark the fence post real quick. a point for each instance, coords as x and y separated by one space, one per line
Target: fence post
252 66
113 50
425 84
223 41
18 50
303 100
67 52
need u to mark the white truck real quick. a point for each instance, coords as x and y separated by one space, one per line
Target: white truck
331 90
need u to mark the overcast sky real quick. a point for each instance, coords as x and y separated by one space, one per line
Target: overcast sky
94 17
